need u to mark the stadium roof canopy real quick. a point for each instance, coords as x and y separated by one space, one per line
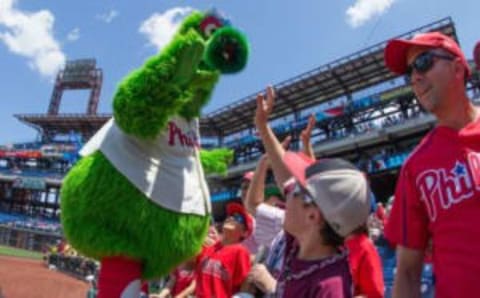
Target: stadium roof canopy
341 77
51 125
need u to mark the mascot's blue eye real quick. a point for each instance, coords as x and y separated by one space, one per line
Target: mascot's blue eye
209 25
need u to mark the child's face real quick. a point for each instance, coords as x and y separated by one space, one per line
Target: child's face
234 228
301 214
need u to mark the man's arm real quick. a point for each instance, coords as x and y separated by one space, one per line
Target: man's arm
409 270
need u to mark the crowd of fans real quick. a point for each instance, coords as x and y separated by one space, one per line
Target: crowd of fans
255 251
29 223
321 233
63 257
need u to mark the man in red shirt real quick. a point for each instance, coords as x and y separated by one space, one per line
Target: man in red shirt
223 267
438 191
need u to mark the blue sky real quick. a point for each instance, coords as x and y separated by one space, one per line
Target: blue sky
286 39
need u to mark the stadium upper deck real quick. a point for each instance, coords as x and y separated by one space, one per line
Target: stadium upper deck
340 78
357 128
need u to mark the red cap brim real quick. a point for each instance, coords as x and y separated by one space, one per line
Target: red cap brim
296 164
396 53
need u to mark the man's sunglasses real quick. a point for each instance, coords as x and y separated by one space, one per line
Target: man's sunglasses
293 189
424 62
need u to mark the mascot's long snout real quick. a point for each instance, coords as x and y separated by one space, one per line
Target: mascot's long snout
227 50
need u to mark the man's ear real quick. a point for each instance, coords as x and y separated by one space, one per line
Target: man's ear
459 68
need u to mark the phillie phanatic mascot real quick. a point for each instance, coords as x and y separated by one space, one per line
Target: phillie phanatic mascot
137 200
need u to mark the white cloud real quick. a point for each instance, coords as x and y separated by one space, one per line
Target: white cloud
160 28
30 34
363 10
74 34
108 17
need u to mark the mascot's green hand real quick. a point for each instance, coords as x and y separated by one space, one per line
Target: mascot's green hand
204 80
216 160
200 89
188 57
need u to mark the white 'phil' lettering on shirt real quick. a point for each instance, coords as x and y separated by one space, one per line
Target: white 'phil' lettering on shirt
449 187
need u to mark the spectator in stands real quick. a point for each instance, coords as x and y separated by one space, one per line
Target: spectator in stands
62 246
437 195
181 283
381 214
274 197
269 219
364 260
365 264
222 267
326 201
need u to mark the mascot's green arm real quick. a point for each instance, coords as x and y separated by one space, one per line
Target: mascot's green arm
216 160
149 96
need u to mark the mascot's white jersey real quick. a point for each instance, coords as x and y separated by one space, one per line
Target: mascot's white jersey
167 169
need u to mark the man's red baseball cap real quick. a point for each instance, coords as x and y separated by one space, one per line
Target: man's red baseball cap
395 53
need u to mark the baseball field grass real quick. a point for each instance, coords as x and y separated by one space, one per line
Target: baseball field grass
21 253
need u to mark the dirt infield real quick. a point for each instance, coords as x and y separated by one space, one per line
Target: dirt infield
22 278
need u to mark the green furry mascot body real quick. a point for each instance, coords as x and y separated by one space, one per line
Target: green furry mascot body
112 208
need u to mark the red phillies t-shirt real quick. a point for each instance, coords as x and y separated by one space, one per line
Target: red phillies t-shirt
438 196
365 266
221 270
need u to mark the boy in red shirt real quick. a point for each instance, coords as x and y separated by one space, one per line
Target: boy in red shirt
224 266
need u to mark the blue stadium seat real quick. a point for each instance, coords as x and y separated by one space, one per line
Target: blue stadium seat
388 258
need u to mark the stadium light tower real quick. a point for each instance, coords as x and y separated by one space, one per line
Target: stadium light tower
77 74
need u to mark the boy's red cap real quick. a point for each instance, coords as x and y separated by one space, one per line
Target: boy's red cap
233 208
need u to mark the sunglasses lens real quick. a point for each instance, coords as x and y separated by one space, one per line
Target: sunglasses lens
238 217
422 64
